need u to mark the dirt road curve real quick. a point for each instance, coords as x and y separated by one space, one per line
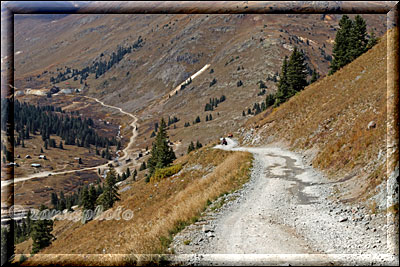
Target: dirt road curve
282 216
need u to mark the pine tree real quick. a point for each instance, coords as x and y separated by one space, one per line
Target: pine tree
162 155
41 233
54 200
85 203
358 37
283 86
341 49
198 145
61 145
191 147
92 198
110 191
269 100
296 72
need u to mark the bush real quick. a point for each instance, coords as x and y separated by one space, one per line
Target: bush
165 172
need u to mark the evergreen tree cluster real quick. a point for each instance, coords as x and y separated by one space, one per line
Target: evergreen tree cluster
39 229
172 120
209 117
88 197
259 107
350 42
162 155
22 228
197 120
48 120
41 233
293 77
99 67
213 103
193 147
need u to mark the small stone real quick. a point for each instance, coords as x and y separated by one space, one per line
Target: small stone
343 219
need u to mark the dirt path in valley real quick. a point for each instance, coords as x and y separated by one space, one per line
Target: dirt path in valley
126 152
282 216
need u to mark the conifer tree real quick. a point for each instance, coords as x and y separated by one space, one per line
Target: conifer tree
85 202
41 233
54 200
92 198
296 72
342 48
358 37
110 191
198 145
191 147
283 86
162 155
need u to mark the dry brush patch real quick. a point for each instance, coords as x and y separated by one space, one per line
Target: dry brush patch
160 210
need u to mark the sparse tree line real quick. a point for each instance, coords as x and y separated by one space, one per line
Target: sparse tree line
213 103
88 196
193 147
48 120
99 67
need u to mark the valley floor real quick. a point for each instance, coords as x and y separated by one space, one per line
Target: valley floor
284 214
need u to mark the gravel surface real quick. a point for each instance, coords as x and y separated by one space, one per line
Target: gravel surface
285 214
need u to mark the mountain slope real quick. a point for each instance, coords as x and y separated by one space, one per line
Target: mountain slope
340 123
238 47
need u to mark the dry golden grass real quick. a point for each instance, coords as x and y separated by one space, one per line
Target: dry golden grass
160 210
331 116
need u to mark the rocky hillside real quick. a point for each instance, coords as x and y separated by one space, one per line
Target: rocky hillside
340 123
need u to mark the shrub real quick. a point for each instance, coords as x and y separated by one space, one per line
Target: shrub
165 172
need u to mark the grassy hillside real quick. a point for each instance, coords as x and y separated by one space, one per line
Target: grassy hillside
329 121
160 210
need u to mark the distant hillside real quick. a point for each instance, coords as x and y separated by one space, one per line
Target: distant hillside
340 122
240 48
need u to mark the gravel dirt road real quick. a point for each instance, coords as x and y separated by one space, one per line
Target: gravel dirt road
283 215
